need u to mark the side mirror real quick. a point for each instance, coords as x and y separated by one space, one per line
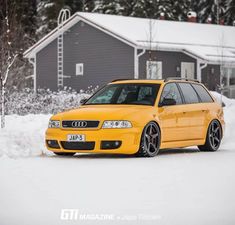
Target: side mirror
83 101
168 102
223 104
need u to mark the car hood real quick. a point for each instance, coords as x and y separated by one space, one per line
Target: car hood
101 112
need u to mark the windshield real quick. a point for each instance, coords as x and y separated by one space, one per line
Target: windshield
130 94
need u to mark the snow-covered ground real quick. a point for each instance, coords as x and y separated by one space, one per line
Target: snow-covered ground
176 187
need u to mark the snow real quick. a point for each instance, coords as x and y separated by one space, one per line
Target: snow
179 186
207 41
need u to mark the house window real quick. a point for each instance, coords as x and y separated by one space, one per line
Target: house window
154 70
228 81
79 69
228 76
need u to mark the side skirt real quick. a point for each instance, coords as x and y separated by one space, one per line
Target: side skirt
181 144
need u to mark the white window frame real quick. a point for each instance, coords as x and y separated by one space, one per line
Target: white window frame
189 66
79 69
150 73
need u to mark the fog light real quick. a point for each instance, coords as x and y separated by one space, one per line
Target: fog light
52 144
110 144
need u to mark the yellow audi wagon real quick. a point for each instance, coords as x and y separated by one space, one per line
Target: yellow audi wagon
139 117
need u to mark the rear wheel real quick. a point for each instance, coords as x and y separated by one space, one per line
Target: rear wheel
213 138
64 153
150 141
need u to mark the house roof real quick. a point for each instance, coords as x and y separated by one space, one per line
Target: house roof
211 43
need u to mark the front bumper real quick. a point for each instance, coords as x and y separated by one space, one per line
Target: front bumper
129 138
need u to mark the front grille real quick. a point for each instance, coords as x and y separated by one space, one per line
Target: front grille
80 123
78 145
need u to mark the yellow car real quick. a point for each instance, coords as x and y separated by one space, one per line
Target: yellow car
139 117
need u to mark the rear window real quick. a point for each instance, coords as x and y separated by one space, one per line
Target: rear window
202 92
189 93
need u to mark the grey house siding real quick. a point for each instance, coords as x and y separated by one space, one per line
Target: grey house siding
105 58
211 77
46 67
170 62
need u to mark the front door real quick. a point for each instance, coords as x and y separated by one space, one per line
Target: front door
187 70
194 111
174 121
154 70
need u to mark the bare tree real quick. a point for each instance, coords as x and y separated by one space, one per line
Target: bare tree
8 53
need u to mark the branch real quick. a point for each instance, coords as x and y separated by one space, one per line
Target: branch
8 69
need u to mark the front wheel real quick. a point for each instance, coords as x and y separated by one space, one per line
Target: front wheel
213 137
150 141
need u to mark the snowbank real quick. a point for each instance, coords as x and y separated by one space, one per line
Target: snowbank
24 135
229 117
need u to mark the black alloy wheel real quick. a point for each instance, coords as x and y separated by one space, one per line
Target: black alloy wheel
214 136
150 141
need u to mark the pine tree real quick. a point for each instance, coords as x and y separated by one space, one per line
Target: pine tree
127 7
208 9
180 9
107 7
48 11
26 11
230 12
153 9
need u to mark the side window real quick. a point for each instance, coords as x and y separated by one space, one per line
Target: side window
203 94
171 91
189 93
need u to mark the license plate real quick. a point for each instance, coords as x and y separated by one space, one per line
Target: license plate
76 137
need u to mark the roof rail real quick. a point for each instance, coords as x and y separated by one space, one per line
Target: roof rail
180 78
121 80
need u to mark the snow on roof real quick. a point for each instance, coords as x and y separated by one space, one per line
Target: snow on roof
212 43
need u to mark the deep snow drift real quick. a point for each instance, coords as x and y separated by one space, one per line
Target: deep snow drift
176 187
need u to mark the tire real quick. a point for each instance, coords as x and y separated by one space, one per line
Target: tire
213 137
64 153
150 141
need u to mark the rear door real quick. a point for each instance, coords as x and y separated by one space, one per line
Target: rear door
194 111
174 122
205 100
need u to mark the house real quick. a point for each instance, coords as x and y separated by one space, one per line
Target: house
93 49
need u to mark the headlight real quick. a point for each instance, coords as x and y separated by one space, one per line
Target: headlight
117 124
54 124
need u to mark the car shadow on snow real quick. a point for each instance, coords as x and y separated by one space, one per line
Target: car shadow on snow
120 156
178 151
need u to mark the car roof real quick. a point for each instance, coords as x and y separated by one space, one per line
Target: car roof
127 81
148 81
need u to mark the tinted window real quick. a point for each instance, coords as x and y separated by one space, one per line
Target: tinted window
133 94
171 91
203 94
189 93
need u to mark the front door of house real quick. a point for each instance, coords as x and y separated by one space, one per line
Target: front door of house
187 70
154 70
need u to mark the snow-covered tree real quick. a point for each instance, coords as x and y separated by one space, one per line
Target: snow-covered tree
152 9
48 11
209 9
230 12
107 7
180 9
8 48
